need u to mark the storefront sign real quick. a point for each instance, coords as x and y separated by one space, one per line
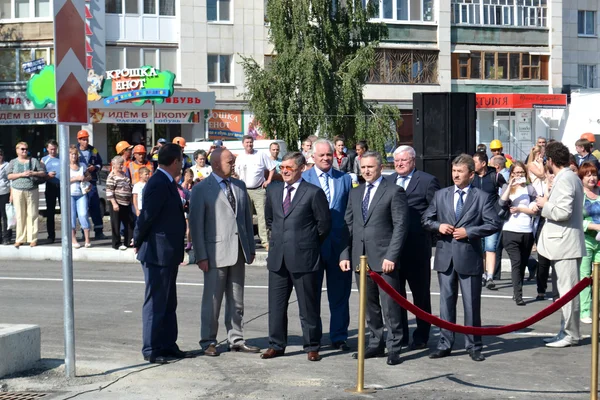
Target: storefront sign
34 117
183 100
41 88
108 116
15 101
520 101
524 125
34 66
141 84
233 125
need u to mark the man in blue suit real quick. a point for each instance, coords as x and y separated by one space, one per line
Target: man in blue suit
158 241
336 186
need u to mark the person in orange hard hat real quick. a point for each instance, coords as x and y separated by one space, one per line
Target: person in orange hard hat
592 139
93 161
139 161
496 149
123 149
187 161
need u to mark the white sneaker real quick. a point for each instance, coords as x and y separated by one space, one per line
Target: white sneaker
564 342
122 247
555 338
586 320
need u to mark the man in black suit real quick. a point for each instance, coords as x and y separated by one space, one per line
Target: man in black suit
377 218
297 214
158 242
462 214
415 261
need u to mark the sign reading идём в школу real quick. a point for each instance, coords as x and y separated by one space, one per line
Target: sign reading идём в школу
144 83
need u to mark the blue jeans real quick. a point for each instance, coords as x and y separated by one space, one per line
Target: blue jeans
79 208
94 204
490 243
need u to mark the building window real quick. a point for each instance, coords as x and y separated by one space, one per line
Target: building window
218 10
404 10
11 60
219 69
500 12
586 23
404 66
24 9
586 76
499 66
135 57
164 7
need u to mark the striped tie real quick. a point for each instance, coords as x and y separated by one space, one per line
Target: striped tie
365 203
287 202
459 204
326 186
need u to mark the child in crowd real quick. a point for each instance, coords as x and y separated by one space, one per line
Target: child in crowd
118 192
138 189
188 180
201 170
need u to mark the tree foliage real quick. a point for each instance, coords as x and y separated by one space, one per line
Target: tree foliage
323 52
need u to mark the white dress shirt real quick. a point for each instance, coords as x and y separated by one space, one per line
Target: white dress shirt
285 190
329 178
251 168
223 185
466 190
373 189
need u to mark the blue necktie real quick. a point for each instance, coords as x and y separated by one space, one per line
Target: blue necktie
365 203
326 186
459 204
402 181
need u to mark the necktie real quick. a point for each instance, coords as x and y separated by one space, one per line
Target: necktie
326 186
230 196
365 203
459 204
402 181
287 202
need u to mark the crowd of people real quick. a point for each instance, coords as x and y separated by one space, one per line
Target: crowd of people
316 221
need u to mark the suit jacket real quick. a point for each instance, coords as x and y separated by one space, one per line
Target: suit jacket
160 228
337 238
478 217
345 167
383 234
216 230
562 235
296 238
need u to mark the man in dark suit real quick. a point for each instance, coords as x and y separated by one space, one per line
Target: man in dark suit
158 242
336 186
415 261
297 213
377 218
462 214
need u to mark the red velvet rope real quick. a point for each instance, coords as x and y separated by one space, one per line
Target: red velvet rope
473 330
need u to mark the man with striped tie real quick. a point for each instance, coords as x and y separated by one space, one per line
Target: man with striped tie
297 213
336 186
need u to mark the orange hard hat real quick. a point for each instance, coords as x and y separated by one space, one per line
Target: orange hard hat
83 134
589 136
140 148
180 141
122 146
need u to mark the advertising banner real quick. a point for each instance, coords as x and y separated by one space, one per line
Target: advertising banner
108 116
27 117
233 125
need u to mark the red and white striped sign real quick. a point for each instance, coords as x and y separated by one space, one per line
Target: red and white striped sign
69 50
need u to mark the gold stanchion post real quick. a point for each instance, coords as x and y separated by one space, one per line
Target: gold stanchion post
595 295
362 311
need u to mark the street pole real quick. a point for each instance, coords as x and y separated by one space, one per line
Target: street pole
67 255
595 299
153 123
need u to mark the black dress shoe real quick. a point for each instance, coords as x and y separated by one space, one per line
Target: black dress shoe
371 353
440 353
417 346
520 302
342 345
176 353
393 359
476 355
244 348
156 359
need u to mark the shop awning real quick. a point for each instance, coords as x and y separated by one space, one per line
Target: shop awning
512 101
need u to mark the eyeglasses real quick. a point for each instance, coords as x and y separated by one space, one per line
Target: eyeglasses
23 149
286 168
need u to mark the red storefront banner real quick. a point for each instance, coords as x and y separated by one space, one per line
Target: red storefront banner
520 100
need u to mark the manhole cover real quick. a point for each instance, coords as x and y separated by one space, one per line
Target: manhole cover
21 395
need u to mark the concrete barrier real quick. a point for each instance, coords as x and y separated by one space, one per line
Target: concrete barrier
20 348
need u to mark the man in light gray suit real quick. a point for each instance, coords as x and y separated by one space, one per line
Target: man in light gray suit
462 214
223 238
561 239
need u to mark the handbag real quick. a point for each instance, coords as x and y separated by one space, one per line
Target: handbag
11 216
35 179
85 186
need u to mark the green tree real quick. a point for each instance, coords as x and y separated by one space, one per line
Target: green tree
324 50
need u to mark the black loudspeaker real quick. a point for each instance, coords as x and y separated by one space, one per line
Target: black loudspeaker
443 128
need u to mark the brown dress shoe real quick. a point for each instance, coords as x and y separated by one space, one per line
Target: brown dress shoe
32 244
314 356
271 353
211 351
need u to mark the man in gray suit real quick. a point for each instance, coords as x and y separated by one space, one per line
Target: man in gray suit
223 238
377 218
297 213
462 214
562 239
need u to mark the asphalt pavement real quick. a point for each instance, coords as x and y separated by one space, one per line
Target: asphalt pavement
108 301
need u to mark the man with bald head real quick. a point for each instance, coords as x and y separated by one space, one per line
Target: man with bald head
223 240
